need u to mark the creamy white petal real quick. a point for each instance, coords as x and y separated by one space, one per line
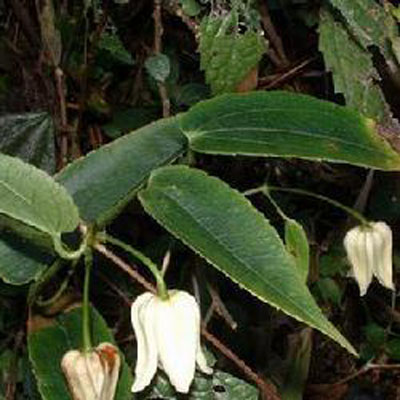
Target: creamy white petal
201 361
80 382
384 267
112 362
96 373
177 335
356 243
142 316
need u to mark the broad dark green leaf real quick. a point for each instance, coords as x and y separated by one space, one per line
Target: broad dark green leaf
223 227
128 119
297 244
31 196
105 180
29 136
48 344
21 261
288 125
220 386
358 81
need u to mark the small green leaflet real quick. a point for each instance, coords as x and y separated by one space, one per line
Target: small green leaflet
227 57
31 196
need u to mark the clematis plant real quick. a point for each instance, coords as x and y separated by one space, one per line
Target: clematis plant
369 250
168 334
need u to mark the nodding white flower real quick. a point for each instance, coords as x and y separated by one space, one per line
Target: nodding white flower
369 250
92 375
168 334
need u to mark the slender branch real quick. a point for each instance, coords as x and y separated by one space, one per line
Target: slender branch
125 267
272 34
158 32
364 369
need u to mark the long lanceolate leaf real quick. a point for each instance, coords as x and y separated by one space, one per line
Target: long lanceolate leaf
223 227
102 182
288 125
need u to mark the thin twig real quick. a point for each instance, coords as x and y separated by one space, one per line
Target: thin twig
125 267
365 368
158 32
282 78
272 34
219 307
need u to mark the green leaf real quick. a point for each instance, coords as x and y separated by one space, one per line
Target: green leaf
329 291
223 227
105 180
31 196
111 43
221 386
358 81
300 347
287 125
158 67
369 22
48 345
129 119
29 136
392 349
297 245
190 7
227 58
20 260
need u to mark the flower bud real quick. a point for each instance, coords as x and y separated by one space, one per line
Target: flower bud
92 375
369 250
168 334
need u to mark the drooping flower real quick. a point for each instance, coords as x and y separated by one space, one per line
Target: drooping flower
168 334
92 375
369 250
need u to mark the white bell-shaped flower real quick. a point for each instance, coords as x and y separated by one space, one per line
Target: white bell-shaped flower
167 334
92 375
369 250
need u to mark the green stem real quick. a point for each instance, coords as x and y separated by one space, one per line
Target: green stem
161 286
57 294
275 204
86 338
68 254
45 277
265 189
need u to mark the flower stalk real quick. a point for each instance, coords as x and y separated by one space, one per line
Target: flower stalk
161 286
